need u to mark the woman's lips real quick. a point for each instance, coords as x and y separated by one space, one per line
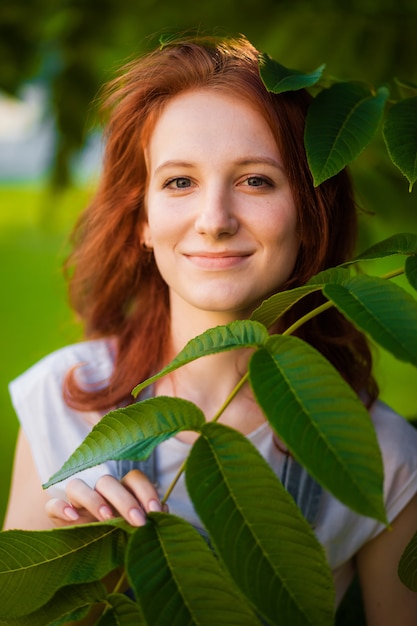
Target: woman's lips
226 260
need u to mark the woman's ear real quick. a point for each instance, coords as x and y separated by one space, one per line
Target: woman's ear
145 237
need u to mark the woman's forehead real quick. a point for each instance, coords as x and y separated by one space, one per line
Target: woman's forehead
198 121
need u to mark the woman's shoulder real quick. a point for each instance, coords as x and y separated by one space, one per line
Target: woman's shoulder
53 429
394 431
397 439
94 359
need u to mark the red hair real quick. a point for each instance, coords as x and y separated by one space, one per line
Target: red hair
114 284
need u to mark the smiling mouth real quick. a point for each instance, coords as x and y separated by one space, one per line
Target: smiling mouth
224 260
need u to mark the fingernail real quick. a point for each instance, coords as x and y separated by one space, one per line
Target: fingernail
71 513
136 517
154 505
105 512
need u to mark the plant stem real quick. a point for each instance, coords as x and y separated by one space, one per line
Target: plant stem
120 583
119 587
231 396
225 404
393 273
174 482
308 316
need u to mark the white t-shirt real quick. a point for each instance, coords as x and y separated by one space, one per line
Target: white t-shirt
54 431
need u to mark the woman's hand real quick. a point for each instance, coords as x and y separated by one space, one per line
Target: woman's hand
131 498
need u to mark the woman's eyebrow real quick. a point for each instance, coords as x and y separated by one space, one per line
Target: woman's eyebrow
261 160
173 163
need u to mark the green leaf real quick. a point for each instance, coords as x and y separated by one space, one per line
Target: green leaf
258 531
382 310
407 569
400 135
341 121
177 579
321 420
402 243
278 78
131 432
68 603
122 612
237 334
411 270
34 565
275 306
332 275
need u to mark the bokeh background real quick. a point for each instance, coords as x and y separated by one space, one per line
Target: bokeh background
54 55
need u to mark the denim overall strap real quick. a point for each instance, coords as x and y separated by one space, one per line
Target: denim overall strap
148 467
302 487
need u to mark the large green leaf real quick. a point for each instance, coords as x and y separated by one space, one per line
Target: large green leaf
340 122
407 569
177 579
122 611
258 531
275 306
321 420
237 334
400 134
402 243
34 565
132 433
382 310
278 78
68 603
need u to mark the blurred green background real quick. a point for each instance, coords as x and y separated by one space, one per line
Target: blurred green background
67 49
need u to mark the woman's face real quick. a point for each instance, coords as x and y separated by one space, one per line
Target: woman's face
221 217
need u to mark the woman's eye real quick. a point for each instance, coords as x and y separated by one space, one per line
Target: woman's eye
178 183
256 181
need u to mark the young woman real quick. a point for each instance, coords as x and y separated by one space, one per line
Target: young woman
206 207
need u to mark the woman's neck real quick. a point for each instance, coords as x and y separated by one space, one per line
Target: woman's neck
187 321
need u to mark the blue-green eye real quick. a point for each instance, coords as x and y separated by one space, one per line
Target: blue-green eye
256 181
178 183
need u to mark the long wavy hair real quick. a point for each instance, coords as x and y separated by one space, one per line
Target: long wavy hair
114 284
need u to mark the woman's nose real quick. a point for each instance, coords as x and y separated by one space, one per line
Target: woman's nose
216 216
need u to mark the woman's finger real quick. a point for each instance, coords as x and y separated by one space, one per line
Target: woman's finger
132 497
62 513
81 496
144 491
